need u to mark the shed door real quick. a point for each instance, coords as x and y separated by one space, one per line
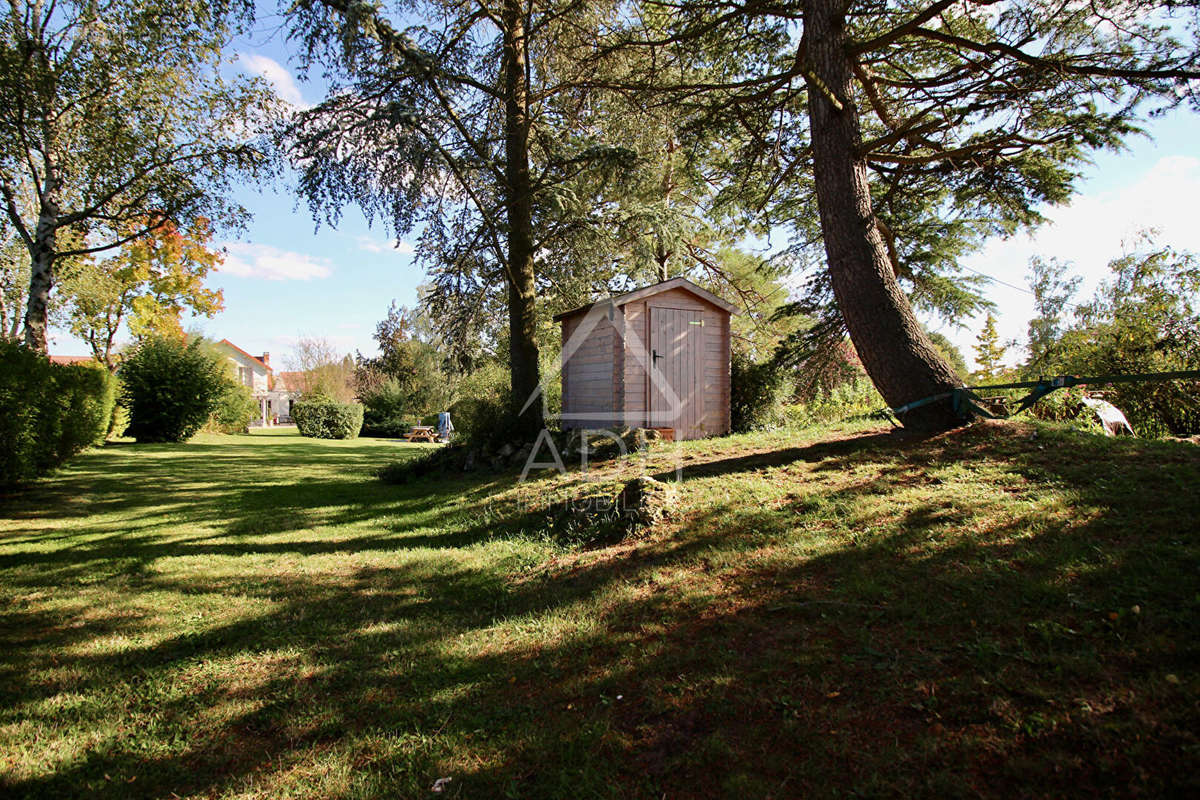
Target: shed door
676 383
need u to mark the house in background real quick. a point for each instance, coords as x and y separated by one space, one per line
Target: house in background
274 397
292 382
85 360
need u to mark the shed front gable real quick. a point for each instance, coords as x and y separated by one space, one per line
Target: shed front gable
616 338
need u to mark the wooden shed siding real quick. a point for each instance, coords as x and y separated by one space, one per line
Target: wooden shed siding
715 359
588 373
606 374
617 373
637 332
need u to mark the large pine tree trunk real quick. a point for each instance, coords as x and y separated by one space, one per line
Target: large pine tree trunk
41 274
522 323
894 349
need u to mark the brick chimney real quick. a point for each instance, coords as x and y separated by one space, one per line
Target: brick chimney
266 359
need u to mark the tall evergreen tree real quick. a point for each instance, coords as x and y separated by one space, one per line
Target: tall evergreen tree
462 123
925 126
989 350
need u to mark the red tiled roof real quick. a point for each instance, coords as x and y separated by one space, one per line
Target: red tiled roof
247 355
292 381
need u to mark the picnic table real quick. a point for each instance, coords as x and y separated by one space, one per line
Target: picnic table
422 433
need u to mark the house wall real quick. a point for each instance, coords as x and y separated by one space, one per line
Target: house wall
257 372
589 381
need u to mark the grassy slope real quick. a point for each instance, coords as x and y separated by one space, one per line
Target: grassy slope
258 617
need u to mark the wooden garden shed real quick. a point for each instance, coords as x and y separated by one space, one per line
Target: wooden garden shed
656 357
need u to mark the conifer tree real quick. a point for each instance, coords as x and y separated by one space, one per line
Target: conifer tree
989 351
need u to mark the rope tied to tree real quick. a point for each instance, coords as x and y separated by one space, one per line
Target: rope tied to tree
967 403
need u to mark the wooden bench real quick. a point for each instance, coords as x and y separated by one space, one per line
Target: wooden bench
421 433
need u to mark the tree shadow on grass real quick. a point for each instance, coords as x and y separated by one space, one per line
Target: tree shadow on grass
126 507
961 646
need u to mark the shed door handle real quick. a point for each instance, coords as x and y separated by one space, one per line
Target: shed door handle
655 356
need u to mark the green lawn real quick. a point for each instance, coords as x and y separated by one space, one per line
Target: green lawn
1004 610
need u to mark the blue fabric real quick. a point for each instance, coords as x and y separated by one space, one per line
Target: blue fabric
444 425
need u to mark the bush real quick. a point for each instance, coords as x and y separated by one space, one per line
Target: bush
385 402
86 395
170 388
483 421
389 411
852 398
48 412
235 409
321 418
756 394
482 415
1066 405
120 417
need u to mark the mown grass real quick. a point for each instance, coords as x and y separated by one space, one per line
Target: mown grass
1005 610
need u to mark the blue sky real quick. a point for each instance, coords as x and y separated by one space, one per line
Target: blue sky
284 278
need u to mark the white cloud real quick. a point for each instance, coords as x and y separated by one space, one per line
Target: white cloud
277 75
263 261
1095 227
1093 230
367 244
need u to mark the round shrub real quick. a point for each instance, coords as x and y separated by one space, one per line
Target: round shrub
322 418
48 412
235 409
170 388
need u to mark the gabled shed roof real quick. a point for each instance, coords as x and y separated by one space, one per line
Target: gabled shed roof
653 289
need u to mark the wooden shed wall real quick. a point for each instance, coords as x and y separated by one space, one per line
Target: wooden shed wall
715 357
591 377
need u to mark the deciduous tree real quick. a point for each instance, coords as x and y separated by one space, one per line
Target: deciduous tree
1052 292
115 118
324 370
147 285
1144 318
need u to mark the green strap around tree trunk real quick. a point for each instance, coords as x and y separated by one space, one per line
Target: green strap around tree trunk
966 402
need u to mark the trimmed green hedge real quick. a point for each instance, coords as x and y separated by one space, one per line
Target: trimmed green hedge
48 412
170 388
325 419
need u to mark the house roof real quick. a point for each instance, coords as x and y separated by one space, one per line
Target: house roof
292 381
255 359
653 289
72 360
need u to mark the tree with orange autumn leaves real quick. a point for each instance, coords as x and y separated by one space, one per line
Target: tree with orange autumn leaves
148 285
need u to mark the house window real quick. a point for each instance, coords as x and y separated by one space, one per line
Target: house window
245 377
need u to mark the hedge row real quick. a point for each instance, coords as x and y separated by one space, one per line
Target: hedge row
48 412
325 419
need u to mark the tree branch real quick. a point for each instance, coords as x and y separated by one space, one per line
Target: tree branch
1058 65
